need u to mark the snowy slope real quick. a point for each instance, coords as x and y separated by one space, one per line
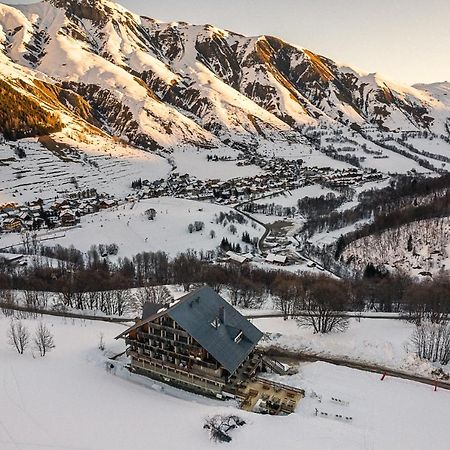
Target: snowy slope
126 83
175 82
69 400
106 165
428 253
384 342
128 227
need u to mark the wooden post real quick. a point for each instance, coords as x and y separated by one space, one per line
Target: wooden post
383 376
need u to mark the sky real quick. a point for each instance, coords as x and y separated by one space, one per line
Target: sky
404 40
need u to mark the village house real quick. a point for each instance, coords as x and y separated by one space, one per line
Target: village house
276 259
106 204
236 257
10 259
68 218
12 224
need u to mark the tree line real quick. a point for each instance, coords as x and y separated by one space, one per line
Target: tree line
96 282
21 116
407 199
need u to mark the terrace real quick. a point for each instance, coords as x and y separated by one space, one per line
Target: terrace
267 397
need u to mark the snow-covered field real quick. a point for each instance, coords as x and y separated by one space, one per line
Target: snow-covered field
195 163
289 198
435 146
104 164
68 400
385 342
309 155
128 227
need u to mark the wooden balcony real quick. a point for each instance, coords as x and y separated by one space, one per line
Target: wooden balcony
172 371
178 331
148 336
189 359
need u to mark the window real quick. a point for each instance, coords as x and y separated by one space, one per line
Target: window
239 337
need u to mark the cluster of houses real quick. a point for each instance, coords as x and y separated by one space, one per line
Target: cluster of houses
61 212
272 258
279 174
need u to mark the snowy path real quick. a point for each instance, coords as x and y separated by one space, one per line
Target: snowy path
298 357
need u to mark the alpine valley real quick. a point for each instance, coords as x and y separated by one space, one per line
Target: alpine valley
94 98
207 237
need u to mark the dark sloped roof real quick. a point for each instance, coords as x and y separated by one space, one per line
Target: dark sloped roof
150 309
197 311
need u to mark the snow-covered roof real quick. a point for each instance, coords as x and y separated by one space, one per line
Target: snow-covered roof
236 257
271 257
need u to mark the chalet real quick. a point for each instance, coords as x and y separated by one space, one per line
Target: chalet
59 206
8 207
199 342
27 218
12 224
105 204
68 218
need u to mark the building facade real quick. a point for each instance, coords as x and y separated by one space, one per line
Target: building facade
199 342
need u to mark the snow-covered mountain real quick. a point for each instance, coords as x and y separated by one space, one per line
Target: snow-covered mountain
105 70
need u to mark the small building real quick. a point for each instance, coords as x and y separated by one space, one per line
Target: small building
276 259
236 257
68 218
199 342
12 224
106 204
12 259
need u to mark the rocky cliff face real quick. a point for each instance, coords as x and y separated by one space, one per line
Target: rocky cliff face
162 84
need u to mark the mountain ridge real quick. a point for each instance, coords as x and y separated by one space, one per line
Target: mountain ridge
159 84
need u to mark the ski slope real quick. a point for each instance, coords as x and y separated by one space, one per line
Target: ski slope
106 165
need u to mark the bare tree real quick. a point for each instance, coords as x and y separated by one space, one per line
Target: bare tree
219 426
122 300
8 300
152 294
250 294
101 342
42 298
326 304
429 300
431 341
288 295
150 214
43 339
18 336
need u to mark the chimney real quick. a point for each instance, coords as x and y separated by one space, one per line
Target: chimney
221 316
